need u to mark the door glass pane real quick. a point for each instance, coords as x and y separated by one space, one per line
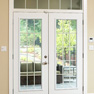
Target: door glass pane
23 26
73 26
23 82
31 81
37 80
31 26
30 54
66 54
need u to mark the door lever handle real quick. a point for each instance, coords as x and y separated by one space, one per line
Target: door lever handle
44 63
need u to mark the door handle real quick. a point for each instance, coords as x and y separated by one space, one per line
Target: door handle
44 63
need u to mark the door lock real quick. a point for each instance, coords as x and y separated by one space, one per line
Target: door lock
45 56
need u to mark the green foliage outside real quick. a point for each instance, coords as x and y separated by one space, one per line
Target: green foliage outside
23 58
65 37
30 50
30 32
30 35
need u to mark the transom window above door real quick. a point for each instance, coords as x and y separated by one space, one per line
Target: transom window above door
48 4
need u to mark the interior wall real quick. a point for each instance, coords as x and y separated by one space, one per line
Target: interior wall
4 57
90 53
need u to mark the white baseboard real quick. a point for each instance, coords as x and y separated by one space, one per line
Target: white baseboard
90 93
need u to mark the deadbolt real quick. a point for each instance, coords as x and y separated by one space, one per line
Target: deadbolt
45 56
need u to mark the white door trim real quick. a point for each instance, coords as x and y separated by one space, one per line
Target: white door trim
11 10
85 46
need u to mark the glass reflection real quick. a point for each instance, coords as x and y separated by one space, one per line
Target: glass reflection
48 4
72 39
73 53
66 53
23 82
66 40
30 54
73 26
23 67
66 71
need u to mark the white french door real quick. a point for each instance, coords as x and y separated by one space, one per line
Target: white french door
47 64
30 53
65 53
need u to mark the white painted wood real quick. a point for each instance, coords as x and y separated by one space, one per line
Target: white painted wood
44 17
85 46
52 67
11 87
47 11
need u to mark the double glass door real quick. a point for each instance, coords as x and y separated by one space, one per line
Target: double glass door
47 53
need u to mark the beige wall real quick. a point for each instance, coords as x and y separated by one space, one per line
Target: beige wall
4 34
90 53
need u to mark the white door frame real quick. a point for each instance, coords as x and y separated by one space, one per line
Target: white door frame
11 54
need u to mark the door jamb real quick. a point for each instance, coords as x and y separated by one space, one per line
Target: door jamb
85 46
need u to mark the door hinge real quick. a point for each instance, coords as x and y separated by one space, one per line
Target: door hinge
83 22
82 88
83 55
13 56
12 91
